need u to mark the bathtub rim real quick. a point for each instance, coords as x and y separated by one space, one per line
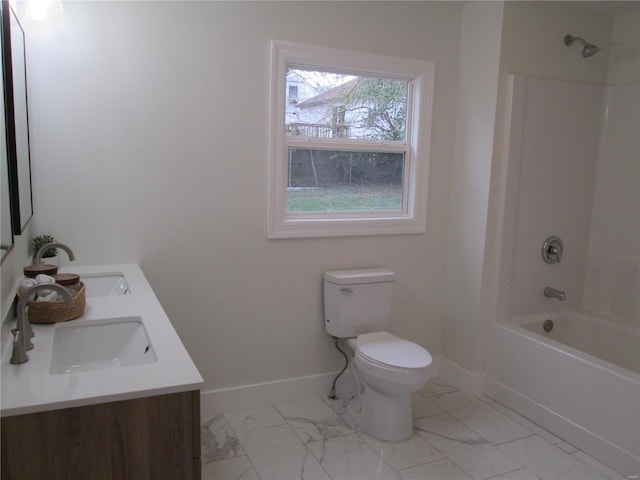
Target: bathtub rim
516 324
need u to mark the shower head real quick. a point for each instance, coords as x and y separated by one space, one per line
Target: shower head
589 48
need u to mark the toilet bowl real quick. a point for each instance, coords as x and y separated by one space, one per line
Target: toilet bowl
388 369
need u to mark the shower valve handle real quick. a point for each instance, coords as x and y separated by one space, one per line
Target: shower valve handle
552 249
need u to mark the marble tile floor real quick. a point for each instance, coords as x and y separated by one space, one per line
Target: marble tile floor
457 437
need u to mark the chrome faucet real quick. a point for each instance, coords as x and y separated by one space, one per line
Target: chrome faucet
23 332
37 258
553 293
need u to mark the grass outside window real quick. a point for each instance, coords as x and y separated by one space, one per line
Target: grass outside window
344 198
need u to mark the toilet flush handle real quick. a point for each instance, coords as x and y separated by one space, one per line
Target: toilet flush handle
346 291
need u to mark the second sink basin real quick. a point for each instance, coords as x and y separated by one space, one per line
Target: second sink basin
105 284
99 344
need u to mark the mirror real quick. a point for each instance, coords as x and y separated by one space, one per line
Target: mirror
6 233
17 121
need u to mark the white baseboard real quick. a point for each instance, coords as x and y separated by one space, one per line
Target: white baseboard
469 382
434 368
234 399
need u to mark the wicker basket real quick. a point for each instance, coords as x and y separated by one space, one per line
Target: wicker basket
54 312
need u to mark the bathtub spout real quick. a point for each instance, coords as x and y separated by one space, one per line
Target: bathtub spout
553 293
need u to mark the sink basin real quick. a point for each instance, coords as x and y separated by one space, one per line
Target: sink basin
99 344
105 284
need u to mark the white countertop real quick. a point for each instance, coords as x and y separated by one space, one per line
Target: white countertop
30 388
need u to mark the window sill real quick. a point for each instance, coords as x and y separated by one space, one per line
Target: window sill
310 228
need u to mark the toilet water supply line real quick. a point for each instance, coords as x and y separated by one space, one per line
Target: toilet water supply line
332 395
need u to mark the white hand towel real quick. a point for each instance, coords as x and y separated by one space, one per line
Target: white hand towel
42 278
26 284
46 295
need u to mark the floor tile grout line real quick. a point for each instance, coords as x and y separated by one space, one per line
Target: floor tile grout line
258 428
428 416
461 420
359 435
253 466
564 452
302 443
309 452
444 457
511 471
531 434
444 454
516 418
228 426
487 442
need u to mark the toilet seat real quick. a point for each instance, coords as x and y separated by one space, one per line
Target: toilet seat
386 350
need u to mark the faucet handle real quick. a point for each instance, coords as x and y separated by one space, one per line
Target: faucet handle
552 249
18 354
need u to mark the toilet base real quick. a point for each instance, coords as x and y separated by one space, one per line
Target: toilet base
383 416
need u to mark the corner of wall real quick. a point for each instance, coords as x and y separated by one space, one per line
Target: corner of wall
481 34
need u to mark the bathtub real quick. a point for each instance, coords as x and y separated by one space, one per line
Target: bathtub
580 380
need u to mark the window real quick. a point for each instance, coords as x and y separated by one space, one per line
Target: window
350 156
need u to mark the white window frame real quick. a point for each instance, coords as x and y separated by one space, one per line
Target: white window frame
413 216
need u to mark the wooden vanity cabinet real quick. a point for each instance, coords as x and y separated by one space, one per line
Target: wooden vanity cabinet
152 438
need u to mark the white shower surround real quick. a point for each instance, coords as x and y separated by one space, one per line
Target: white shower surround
573 171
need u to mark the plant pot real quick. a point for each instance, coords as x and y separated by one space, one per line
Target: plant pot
49 260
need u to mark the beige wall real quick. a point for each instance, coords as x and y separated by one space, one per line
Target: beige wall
624 64
149 145
532 41
463 339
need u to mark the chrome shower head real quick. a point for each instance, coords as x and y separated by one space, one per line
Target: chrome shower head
588 50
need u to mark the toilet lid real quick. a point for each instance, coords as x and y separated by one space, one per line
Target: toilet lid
385 348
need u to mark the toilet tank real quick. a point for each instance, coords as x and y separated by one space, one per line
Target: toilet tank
357 301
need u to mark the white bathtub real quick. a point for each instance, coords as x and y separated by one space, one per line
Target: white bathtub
579 381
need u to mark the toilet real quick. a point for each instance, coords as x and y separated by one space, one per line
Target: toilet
387 368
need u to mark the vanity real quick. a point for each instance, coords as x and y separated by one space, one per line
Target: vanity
110 395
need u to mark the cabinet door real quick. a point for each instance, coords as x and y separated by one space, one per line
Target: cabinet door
140 439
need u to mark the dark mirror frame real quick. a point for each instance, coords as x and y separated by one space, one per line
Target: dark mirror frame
6 230
8 52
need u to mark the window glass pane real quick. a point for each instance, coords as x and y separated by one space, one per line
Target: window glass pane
341 180
329 105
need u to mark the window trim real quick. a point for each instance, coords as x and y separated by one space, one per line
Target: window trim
412 219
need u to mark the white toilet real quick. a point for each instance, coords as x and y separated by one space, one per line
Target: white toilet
357 305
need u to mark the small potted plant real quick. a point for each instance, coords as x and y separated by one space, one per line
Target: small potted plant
40 241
